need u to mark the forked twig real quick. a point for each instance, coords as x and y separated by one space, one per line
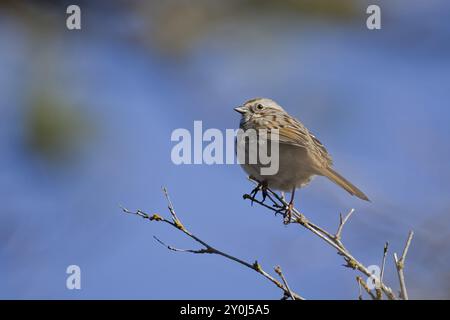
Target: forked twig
400 265
280 273
342 222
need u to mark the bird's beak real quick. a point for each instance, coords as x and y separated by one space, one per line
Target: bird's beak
240 109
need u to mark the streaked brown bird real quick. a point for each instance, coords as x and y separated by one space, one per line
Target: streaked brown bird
301 155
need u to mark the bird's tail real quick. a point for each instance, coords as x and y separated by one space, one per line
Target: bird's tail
344 183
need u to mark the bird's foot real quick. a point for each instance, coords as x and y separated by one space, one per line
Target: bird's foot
262 186
285 211
288 214
279 209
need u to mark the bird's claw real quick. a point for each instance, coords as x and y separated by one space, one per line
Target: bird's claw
260 187
288 214
279 209
264 193
254 193
285 211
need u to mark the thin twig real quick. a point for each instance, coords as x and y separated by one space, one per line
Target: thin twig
279 205
360 297
400 265
170 205
172 248
176 223
253 199
383 263
280 273
342 222
408 243
366 288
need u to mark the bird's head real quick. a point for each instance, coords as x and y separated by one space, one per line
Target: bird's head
258 106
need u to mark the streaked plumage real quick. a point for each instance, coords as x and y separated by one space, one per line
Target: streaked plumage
302 155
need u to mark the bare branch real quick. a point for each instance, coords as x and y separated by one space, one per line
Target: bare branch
279 206
332 240
400 265
378 290
176 223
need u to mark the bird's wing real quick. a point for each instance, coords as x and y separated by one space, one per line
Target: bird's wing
295 133
322 150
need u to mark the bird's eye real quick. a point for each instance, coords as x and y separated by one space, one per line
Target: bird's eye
259 106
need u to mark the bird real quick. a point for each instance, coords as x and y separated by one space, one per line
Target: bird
301 155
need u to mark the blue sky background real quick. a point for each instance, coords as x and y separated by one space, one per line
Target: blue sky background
86 123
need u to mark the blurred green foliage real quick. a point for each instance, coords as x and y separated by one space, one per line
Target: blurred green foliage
53 129
341 9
